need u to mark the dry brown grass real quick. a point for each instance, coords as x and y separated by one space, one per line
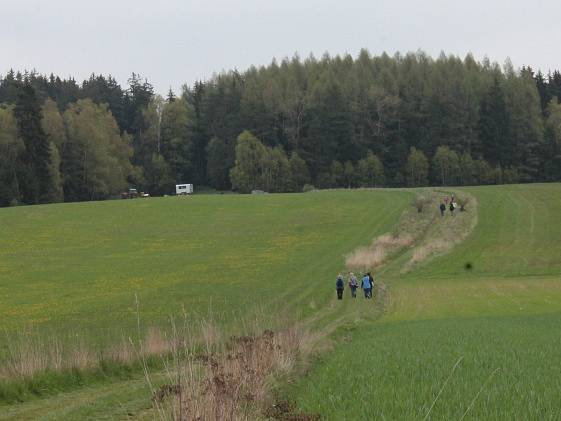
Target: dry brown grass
365 257
211 374
388 241
431 247
378 252
29 353
233 381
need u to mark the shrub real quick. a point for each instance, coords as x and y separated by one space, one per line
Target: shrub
308 188
420 202
462 202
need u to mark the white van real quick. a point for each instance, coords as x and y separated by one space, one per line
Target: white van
183 189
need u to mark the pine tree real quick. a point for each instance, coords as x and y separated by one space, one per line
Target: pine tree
218 164
543 90
494 126
11 150
37 179
171 96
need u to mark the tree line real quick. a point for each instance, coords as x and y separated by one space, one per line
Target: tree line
402 120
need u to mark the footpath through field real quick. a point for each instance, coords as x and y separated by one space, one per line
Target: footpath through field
473 334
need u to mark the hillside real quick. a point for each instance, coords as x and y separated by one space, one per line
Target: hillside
455 342
72 272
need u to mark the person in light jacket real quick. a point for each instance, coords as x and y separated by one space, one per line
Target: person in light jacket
353 284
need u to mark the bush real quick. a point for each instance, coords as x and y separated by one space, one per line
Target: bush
420 202
308 188
462 203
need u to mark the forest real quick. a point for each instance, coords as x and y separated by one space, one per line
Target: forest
342 121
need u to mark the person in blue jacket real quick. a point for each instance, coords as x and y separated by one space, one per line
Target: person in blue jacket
366 286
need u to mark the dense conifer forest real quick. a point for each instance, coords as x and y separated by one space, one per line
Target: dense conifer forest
370 121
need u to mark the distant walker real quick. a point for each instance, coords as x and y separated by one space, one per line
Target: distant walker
183 189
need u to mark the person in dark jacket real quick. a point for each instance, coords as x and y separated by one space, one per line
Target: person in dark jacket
452 208
442 209
371 279
340 285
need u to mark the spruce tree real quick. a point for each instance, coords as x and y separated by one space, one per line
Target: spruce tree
494 126
171 96
36 171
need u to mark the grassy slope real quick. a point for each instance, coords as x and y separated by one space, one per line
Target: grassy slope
498 322
82 264
77 267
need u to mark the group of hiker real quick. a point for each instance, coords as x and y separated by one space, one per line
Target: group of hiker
367 285
448 202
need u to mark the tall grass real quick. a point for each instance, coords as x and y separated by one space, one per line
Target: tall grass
37 365
232 381
212 372
219 376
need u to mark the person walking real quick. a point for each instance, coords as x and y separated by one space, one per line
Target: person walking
366 286
353 284
442 209
371 279
340 285
452 208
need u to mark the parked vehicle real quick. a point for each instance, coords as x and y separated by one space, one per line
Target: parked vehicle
133 194
183 189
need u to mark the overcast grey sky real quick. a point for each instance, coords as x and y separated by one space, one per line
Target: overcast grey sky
172 42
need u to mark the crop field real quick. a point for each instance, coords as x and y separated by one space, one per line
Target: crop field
460 342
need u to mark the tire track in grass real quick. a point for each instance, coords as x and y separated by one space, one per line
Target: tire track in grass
116 400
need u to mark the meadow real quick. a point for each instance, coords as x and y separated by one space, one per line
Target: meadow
81 265
85 270
471 333
457 341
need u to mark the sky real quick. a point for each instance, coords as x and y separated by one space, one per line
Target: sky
176 42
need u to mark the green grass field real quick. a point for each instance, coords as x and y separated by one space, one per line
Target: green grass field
479 344
76 269
80 266
498 323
